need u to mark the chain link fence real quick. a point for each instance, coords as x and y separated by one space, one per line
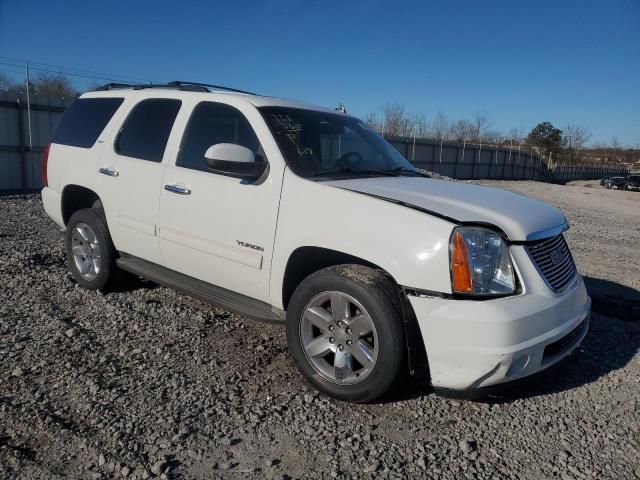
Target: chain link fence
466 161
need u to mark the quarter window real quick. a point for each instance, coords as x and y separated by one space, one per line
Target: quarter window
212 123
146 130
84 121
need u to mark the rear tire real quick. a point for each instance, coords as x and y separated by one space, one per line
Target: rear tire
90 252
356 356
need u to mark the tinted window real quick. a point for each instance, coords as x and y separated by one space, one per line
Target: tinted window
213 123
83 122
146 130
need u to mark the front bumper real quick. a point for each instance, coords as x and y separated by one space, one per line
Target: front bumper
476 344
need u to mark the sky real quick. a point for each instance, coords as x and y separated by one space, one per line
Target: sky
519 62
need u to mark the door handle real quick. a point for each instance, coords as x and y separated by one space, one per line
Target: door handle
177 189
112 172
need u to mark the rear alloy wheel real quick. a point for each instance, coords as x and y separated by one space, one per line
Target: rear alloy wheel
90 251
85 249
345 333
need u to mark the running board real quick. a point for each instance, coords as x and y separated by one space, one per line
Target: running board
211 294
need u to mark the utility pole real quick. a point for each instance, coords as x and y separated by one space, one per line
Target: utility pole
413 152
26 71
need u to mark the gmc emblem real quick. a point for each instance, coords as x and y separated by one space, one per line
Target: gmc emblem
556 256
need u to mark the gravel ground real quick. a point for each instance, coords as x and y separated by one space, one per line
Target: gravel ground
145 382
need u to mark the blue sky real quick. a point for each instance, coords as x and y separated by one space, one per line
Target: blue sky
520 62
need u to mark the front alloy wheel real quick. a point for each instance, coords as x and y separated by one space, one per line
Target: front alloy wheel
339 338
345 332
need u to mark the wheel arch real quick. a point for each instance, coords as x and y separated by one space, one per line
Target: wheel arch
76 197
307 260
304 261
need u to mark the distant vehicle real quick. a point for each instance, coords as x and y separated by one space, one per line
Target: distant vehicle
633 181
617 183
603 181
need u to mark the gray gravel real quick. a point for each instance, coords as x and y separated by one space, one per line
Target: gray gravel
145 382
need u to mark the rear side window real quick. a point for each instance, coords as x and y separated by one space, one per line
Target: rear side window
83 122
146 130
212 123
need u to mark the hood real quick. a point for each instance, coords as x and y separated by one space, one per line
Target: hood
521 218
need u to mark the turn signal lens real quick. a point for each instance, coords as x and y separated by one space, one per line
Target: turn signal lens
460 266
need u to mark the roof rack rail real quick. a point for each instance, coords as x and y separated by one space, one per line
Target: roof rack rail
180 83
114 85
177 84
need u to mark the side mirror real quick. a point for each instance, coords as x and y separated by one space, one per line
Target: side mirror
234 161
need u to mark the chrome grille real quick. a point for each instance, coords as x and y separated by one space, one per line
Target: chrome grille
554 261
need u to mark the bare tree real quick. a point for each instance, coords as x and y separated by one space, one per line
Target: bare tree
373 121
5 82
545 139
440 127
94 85
615 143
10 85
395 120
461 130
418 125
616 149
492 137
575 139
517 136
54 85
480 122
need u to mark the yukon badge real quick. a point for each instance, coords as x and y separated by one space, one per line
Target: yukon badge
249 245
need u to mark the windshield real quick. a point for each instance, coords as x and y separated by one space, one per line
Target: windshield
320 145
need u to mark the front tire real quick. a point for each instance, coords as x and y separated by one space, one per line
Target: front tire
345 333
90 252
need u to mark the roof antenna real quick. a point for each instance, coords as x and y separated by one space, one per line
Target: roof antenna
341 108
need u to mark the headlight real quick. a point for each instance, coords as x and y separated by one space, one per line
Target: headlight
480 263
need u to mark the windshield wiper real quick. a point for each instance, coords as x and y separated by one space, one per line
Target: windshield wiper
386 173
406 170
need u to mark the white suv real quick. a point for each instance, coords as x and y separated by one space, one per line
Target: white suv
292 213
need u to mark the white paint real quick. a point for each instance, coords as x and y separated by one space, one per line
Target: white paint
240 236
466 340
518 216
229 152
